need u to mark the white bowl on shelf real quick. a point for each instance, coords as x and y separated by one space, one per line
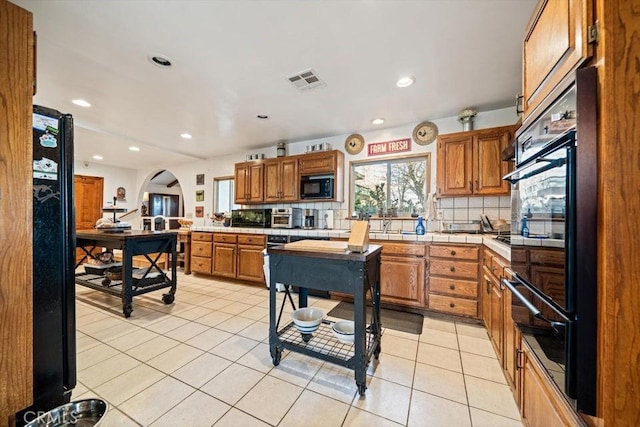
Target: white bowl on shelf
307 319
344 330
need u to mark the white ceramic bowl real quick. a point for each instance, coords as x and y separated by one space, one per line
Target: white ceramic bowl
343 330
307 319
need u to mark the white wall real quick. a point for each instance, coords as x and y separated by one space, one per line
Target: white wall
224 166
114 177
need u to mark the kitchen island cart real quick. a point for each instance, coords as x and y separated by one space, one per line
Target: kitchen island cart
347 272
131 281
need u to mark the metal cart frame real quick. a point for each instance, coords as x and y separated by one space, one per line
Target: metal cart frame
131 243
351 273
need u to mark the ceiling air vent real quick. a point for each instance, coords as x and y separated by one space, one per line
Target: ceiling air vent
306 80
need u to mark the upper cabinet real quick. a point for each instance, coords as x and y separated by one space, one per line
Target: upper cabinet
556 42
281 183
278 180
249 182
325 162
470 163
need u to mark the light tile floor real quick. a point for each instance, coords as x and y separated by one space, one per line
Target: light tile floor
204 361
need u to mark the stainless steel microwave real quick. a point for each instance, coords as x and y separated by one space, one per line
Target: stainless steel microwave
316 188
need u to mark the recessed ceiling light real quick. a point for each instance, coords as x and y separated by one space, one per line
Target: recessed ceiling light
161 61
134 148
405 81
81 103
186 135
98 157
377 121
262 116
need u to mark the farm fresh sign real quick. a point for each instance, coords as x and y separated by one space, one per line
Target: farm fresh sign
389 147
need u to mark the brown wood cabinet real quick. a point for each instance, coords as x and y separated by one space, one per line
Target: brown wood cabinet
470 163
403 273
16 223
555 43
250 258
453 279
281 180
201 252
321 163
541 404
239 256
249 182
511 357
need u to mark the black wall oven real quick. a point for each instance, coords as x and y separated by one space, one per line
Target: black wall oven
553 238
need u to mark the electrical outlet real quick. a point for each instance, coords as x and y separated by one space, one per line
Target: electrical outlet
439 214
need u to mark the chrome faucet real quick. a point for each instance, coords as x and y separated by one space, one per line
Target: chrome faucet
386 223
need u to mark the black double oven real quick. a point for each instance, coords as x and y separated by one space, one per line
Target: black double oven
553 238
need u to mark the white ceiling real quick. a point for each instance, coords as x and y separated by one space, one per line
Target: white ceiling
231 62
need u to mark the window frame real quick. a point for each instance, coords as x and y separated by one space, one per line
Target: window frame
216 181
396 159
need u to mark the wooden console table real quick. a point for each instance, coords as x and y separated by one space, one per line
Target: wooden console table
133 281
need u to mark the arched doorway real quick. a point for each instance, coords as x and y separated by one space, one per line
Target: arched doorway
162 200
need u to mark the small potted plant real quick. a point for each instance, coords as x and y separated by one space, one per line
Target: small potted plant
393 209
466 117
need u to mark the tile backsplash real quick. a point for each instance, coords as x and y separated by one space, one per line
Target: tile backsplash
454 210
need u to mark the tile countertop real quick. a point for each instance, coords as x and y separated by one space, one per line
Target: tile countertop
500 248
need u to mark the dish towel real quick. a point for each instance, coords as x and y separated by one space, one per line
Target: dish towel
431 207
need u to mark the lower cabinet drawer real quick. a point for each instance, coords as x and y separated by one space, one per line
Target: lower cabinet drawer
457 269
202 249
458 288
453 305
200 264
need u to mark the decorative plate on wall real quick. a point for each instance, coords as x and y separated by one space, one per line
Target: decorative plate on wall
354 143
425 133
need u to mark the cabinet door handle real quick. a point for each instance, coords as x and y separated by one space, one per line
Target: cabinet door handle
488 286
452 287
452 305
477 185
453 253
519 98
452 269
518 352
470 185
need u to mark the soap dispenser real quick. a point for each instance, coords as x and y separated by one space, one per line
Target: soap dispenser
420 227
525 227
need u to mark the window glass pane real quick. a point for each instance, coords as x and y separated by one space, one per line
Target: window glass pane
223 190
369 181
408 186
390 187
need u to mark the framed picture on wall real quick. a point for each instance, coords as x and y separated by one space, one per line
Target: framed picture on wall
199 211
199 195
200 179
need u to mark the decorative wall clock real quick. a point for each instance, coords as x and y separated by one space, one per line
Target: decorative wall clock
354 143
425 133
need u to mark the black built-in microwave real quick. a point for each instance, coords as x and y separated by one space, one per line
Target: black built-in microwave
316 187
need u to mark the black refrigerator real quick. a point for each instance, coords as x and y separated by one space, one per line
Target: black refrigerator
54 315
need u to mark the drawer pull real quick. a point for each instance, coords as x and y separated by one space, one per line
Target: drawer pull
452 305
453 253
452 287
452 269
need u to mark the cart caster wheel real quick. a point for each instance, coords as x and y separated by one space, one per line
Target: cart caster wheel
276 357
306 337
106 282
361 389
127 311
168 298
